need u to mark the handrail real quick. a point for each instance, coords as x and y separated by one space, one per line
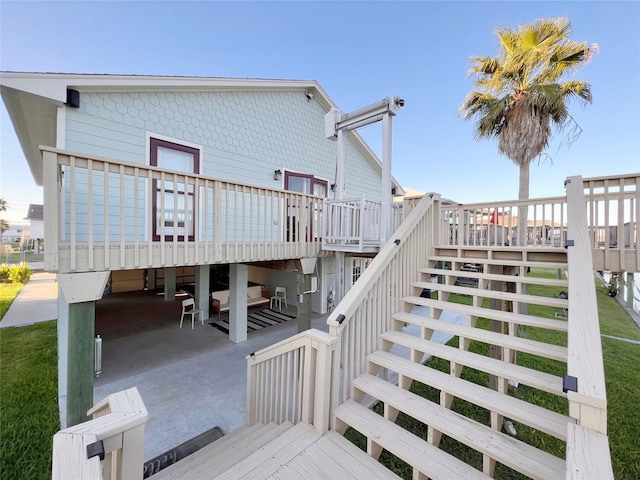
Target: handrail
365 311
289 381
116 432
585 381
121 215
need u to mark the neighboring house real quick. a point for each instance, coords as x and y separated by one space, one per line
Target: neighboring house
146 176
32 238
13 234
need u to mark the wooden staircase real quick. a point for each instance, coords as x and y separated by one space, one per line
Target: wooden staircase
453 388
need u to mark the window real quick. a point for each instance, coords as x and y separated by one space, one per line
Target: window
173 202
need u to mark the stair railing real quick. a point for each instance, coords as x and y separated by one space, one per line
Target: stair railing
290 381
587 443
110 446
365 311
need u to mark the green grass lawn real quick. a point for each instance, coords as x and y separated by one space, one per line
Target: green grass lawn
29 396
8 291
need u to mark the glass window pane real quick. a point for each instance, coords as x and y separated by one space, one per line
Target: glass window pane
171 159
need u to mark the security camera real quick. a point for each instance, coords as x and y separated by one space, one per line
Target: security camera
309 95
400 102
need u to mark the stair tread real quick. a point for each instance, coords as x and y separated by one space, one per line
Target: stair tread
430 460
216 458
505 449
266 461
500 295
533 378
509 317
540 418
499 261
498 277
533 347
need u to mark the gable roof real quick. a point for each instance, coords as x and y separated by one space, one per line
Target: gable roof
32 100
35 212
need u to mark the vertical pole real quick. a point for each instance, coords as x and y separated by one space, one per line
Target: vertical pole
385 226
341 160
304 308
202 289
80 361
238 276
169 284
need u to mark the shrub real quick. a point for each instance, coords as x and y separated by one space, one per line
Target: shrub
4 272
20 273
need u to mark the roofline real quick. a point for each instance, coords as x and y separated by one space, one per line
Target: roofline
53 86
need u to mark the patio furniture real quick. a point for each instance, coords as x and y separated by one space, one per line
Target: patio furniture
189 308
278 297
255 297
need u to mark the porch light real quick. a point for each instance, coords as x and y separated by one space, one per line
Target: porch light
333 187
277 175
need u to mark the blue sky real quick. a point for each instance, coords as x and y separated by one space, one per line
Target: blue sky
360 52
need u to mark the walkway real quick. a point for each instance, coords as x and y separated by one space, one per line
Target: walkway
36 302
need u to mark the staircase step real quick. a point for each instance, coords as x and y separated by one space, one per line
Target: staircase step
541 419
505 449
533 378
499 295
499 262
497 277
500 315
540 349
428 459
267 460
219 456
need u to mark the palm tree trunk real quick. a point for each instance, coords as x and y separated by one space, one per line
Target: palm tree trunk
523 194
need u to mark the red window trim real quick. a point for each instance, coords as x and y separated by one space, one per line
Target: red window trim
153 160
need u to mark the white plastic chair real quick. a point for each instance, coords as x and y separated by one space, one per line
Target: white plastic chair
189 308
280 295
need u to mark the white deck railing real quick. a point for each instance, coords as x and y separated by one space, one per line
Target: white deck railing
116 430
587 397
613 217
290 381
103 214
365 311
352 225
496 223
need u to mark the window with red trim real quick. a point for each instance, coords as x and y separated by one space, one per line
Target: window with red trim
173 201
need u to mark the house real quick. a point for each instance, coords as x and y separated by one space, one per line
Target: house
162 173
153 180
32 239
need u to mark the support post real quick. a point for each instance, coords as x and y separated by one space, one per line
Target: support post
304 308
80 361
385 217
169 284
238 276
76 343
202 289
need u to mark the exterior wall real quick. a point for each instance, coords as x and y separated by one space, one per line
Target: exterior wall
245 135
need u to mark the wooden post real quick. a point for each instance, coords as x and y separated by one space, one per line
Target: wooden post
80 364
238 275
169 284
304 308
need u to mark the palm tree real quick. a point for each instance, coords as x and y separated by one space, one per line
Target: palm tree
3 205
518 96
